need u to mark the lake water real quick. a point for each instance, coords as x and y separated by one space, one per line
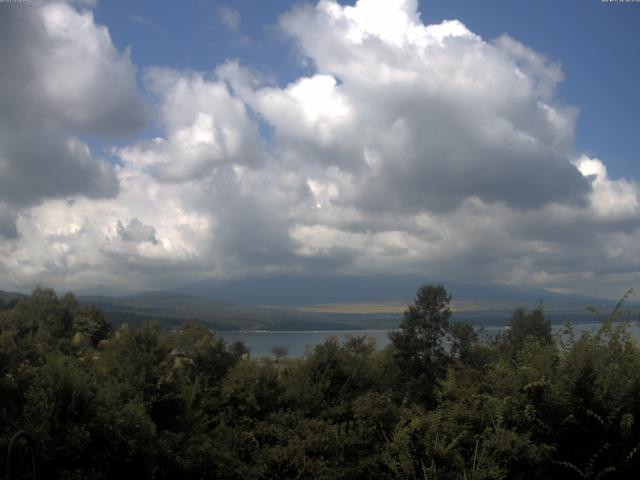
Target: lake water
261 343
298 342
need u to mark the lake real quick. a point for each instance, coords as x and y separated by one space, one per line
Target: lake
297 342
260 343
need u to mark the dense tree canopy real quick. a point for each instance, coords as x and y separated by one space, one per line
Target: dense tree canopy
441 402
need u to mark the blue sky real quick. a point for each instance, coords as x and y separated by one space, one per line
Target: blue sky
150 145
597 43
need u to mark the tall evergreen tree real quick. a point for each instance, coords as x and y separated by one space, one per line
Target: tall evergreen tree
418 343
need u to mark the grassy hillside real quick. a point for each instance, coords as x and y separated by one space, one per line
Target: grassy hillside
6 297
172 309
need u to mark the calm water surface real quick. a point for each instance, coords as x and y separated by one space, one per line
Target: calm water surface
298 342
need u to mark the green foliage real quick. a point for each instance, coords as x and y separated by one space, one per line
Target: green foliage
441 402
528 326
91 324
279 351
418 343
252 391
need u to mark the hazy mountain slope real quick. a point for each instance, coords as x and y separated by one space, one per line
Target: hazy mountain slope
295 290
8 296
329 303
173 309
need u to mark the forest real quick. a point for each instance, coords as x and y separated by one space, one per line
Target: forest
80 400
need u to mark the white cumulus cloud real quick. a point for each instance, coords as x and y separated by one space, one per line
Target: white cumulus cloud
405 148
62 77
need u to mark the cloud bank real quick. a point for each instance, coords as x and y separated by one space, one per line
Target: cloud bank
409 148
61 78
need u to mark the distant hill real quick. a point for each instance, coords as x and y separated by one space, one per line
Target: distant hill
483 304
329 302
297 290
6 297
333 303
172 309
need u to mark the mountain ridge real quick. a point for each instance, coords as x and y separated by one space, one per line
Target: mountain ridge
300 290
328 303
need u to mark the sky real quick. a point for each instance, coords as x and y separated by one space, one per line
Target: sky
148 145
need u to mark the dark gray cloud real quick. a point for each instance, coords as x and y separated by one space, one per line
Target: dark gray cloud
8 228
443 159
61 77
40 163
136 231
